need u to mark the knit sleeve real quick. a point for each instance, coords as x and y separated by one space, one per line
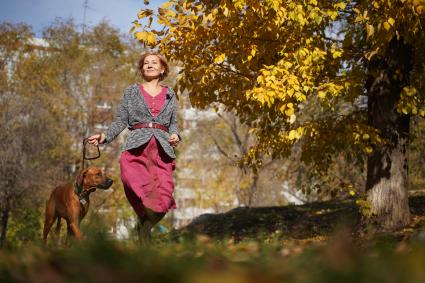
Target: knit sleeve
173 123
120 121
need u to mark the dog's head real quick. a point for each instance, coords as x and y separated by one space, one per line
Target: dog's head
93 178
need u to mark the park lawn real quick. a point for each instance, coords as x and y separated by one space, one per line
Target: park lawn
319 242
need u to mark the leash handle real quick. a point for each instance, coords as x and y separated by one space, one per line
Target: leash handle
85 140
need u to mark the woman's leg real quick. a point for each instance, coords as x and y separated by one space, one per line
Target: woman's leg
134 201
147 222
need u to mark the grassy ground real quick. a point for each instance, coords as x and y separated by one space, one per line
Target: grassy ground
298 223
313 243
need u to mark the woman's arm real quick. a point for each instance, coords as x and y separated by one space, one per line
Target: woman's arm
173 123
120 121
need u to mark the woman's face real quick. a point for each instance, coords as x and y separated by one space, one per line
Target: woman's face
152 67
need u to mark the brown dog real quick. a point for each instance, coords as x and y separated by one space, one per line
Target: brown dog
71 202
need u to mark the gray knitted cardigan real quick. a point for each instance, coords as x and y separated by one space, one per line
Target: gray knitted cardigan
133 109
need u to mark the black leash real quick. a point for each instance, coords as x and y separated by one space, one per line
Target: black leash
78 189
85 140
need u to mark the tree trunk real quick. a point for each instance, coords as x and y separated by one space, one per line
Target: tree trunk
4 219
252 189
386 184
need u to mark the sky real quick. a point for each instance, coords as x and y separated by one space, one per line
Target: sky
41 13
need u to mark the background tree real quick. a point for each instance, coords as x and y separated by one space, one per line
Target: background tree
417 156
27 140
209 163
271 60
55 91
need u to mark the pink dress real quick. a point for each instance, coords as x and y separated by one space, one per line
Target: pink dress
147 171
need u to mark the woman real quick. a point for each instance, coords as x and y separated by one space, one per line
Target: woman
148 160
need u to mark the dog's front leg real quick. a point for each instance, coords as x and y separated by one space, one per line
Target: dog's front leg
57 230
74 222
76 230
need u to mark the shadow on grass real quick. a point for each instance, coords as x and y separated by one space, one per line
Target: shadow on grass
295 222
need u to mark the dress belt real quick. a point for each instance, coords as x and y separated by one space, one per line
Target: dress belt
148 125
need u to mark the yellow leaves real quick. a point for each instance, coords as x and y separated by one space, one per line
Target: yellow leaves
410 103
260 79
291 92
239 4
308 67
146 37
387 25
292 80
321 94
368 149
318 19
329 89
136 24
292 134
220 58
370 30
361 17
253 51
332 14
289 112
404 110
371 53
336 54
385 19
144 13
409 91
290 109
166 5
365 137
340 5
274 4
296 134
287 65
207 18
225 11
281 17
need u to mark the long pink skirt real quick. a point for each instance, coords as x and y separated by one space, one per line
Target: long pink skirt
147 175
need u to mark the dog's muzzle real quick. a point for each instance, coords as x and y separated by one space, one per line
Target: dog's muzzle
105 185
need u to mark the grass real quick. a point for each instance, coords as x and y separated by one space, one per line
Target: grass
206 260
288 244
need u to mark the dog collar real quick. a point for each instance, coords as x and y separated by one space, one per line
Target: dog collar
78 189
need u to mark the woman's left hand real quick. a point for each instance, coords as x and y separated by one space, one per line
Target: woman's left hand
174 140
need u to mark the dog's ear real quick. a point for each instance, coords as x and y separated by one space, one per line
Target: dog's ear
80 178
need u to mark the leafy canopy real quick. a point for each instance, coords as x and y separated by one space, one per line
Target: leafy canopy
291 69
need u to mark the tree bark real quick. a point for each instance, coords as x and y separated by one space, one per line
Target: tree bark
387 179
252 188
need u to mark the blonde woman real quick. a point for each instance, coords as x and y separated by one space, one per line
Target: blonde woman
148 160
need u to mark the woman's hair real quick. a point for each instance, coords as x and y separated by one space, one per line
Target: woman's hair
162 60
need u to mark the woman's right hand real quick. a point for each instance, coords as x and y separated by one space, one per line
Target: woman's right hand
96 139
